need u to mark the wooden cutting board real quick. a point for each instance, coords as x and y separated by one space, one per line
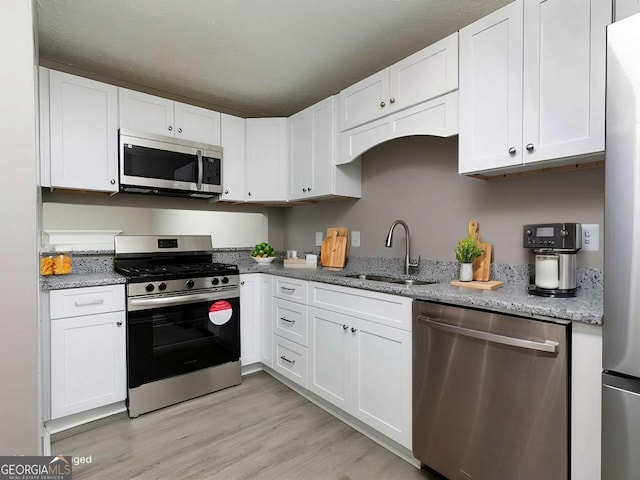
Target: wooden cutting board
342 232
490 285
333 251
482 264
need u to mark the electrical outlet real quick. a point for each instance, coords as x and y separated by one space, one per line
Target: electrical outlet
355 239
590 237
318 239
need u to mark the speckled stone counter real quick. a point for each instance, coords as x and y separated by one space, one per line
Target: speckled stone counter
511 298
90 269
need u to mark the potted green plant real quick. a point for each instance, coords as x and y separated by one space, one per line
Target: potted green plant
466 252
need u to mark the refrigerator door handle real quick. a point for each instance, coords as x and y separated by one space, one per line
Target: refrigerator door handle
546 346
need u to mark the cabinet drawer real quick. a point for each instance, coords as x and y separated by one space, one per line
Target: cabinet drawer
290 360
290 289
75 302
391 310
290 321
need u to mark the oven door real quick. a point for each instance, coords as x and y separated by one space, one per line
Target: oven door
169 336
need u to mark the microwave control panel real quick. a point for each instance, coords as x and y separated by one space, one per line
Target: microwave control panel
551 236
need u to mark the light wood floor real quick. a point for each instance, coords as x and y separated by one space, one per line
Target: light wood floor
260 429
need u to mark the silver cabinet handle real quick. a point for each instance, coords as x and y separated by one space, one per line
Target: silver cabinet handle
287 289
382 104
287 320
88 303
113 182
512 151
529 147
170 128
242 282
392 100
546 346
249 193
226 192
291 362
308 189
304 190
353 330
179 130
119 324
344 327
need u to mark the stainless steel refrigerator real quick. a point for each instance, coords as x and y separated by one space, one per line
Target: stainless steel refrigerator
621 327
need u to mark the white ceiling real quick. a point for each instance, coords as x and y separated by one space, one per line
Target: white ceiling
250 57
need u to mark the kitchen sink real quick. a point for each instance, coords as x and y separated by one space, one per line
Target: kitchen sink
386 279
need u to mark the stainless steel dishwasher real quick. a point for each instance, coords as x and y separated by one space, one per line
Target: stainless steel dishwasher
490 394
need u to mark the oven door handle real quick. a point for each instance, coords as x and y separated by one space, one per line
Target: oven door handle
148 303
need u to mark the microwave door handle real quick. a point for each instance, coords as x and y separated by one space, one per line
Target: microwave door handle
200 169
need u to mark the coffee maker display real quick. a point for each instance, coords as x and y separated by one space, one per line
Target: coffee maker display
555 246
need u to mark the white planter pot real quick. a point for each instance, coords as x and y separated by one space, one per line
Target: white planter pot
466 272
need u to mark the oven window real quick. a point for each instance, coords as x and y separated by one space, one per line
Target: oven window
152 163
169 341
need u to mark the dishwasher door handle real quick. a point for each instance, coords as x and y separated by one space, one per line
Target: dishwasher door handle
546 346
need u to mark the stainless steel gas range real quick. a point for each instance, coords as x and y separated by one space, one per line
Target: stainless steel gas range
183 319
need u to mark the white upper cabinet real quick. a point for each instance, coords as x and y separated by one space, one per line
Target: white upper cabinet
266 161
233 171
532 78
626 8
312 151
150 114
431 72
83 128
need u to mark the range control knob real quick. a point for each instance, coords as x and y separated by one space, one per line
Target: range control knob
215 281
225 280
563 233
190 284
162 287
529 232
149 287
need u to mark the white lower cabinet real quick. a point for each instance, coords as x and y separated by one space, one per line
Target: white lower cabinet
88 349
266 353
364 368
290 360
250 318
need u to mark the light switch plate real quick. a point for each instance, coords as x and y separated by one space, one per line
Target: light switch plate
318 239
590 237
355 239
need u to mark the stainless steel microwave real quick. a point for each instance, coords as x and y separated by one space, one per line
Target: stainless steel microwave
156 164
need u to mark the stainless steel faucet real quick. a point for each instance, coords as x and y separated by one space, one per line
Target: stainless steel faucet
389 242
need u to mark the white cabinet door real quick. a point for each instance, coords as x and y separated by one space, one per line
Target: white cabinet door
267 320
88 362
381 372
491 91
266 163
233 159
45 141
365 101
84 133
250 319
626 8
564 78
300 153
146 113
197 124
329 356
426 74
312 148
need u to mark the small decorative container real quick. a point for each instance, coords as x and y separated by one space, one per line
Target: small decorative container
466 272
62 264
46 265
264 260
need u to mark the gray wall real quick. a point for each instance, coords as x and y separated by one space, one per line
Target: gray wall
416 179
19 433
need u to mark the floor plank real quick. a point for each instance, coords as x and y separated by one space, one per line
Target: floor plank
260 429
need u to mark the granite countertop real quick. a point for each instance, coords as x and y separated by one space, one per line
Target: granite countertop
78 280
512 297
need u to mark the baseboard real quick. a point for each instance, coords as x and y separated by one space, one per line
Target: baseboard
60 428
